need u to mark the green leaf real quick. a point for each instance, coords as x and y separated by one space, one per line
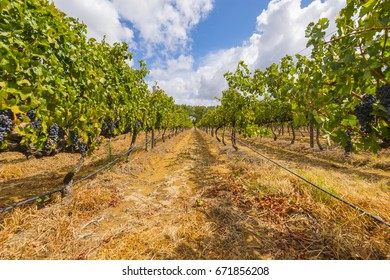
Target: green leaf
369 4
318 119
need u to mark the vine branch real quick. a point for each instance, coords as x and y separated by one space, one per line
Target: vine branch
356 33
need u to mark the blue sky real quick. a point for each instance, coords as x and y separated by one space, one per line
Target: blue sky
189 44
229 24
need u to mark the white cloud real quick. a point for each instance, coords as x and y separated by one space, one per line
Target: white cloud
161 23
164 23
177 77
281 30
100 16
163 28
282 27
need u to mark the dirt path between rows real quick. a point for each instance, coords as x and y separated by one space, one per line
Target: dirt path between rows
166 214
164 209
193 198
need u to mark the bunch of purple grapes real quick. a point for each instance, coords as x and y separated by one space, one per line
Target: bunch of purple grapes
383 95
31 114
53 136
53 131
74 138
108 126
82 148
76 143
363 113
34 123
137 124
5 124
348 146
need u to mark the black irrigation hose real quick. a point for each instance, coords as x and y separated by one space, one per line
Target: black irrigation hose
318 187
32 199
106 165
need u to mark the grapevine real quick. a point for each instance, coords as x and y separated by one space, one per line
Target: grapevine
53 137
82 148
368 98
383 95
74 138
60 93
343 83
363 113
108 127
31 114
5 124
348 145
36 124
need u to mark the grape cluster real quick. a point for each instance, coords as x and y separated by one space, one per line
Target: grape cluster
5 124
74 137
61 133
368 98
108 126
53 131
76 143
348 146
31 114
383 95
36 124
53 136
363 113
7 113
82 148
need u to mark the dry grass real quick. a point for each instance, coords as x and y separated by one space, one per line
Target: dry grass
155 240
191 198
21 178
303 222
332 154
52 232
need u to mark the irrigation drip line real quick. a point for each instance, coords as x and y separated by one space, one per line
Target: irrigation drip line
318 187
114 161
32 199
106 165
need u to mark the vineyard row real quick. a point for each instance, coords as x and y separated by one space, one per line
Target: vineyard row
341 91
63 92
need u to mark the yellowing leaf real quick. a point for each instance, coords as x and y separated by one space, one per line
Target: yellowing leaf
16 110
24 82
369 3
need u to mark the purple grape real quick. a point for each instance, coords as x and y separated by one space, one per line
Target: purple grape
363 114
37 124
5 123
82 148
31 114
74 138
368 98
383 95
